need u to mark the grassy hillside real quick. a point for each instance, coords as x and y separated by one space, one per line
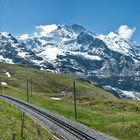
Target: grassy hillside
49 83
10 122
96 108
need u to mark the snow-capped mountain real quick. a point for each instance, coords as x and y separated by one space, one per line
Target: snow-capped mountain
111 60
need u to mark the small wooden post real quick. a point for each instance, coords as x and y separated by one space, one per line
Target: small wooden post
27 90
0 86
74 93
22 123
31 86
14 136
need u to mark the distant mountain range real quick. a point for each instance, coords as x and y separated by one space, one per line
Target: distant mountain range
110 61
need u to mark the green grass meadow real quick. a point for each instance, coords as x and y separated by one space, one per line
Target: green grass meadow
10 122
96 108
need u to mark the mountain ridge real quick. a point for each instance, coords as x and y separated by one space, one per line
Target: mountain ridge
109 60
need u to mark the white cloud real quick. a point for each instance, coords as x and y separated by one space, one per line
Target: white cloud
125 32
45 29
23 37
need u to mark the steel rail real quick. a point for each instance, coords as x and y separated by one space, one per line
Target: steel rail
74 131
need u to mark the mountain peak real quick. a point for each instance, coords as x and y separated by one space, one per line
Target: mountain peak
5 34
112 35
78 28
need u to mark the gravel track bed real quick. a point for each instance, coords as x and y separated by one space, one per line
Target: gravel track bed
54 128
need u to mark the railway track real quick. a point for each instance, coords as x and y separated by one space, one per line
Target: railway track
77 134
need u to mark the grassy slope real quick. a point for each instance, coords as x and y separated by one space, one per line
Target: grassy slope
97 108
10 121
50 83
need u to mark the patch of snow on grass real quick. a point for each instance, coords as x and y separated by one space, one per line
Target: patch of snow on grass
3 83
8 74
57 99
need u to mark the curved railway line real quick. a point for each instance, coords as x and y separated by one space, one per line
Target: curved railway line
75 132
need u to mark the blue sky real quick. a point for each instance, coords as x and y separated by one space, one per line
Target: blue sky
102 16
